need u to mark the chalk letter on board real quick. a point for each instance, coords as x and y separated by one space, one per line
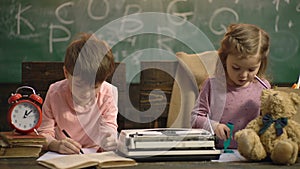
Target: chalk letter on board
221 12
89 10
19 17
52 39
276 3
298 7
183 15
161 41
60 18
131 6
131 28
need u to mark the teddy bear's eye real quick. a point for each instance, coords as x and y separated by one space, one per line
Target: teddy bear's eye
275 94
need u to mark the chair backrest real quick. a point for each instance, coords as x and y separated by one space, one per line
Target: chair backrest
192 71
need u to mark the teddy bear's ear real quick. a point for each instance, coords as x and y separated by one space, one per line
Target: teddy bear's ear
295 97
265 93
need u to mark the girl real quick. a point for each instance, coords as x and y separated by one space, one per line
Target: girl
243 54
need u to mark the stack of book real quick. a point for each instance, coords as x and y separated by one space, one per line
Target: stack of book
14 145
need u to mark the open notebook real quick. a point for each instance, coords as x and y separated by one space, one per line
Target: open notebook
90 158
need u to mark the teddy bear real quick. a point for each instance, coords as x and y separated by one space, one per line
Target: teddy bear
273 134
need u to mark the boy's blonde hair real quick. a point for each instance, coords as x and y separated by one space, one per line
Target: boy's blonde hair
245 40
90 59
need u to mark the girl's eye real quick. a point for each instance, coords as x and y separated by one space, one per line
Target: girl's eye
251 70
235 68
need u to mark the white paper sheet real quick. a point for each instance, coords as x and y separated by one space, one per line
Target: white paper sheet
230 157
51 154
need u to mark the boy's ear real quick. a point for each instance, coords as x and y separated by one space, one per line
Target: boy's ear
66 73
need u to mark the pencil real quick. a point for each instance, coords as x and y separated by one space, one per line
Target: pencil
67 135
261 82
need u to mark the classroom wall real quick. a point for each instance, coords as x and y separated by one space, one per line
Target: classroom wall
34 30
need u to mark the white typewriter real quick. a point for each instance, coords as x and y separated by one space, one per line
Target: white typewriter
168 143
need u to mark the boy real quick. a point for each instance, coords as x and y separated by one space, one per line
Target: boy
83 104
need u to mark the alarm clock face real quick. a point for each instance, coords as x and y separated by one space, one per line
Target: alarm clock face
25 116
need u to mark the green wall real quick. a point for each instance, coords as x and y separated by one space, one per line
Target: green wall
40 30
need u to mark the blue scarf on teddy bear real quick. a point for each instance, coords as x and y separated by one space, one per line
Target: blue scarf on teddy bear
279 124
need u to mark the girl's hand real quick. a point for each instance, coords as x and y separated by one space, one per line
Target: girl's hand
65 146
222 131
109 142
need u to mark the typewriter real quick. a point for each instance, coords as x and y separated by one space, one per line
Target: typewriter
162 144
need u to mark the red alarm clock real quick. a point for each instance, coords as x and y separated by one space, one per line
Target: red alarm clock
25 114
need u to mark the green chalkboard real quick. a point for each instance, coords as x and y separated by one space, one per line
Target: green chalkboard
40 30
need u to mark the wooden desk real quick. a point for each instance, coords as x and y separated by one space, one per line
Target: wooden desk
30 163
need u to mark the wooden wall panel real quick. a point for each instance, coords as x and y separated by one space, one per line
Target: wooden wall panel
156 76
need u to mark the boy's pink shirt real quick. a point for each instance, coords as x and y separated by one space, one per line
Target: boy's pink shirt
98 118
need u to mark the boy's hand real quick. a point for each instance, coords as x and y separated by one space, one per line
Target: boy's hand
222 131
65 146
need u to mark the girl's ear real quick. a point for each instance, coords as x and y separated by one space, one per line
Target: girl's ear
66 73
